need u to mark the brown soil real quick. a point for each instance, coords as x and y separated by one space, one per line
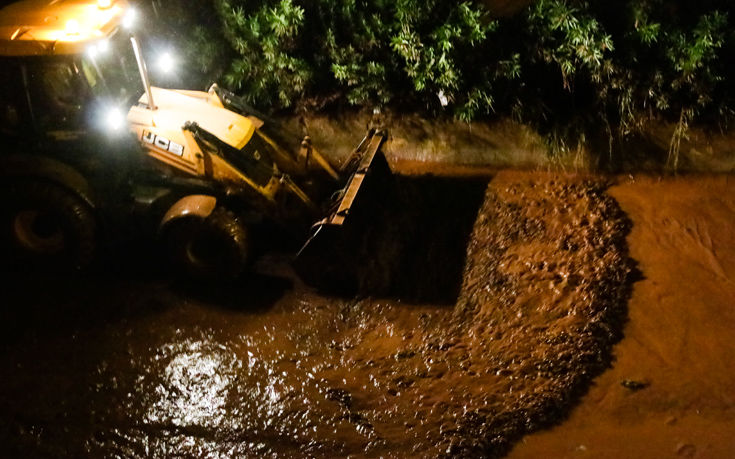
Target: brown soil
131 366
543 299
671 389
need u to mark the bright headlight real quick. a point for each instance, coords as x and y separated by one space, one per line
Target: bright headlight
128 21
101 47
114 119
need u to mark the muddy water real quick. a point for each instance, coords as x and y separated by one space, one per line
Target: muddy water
678 342
138 365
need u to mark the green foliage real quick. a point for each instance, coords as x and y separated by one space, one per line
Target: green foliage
431 59
365 52
355 52
266 37
622 65
569 38
192 28
578 71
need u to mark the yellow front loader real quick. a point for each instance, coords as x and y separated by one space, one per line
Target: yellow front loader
214 171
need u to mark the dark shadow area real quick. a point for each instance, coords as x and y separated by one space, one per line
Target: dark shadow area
436 216
639 152
253 292
130 286
62 303
406 238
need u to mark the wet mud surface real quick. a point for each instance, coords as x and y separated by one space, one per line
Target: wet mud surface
671 389
135 364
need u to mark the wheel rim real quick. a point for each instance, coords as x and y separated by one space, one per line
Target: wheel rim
39 232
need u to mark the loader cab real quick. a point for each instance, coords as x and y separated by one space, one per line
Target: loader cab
14 113
52 91
43 98
67 79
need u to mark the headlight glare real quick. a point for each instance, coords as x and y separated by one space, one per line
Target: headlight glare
130 18
166 62
114 119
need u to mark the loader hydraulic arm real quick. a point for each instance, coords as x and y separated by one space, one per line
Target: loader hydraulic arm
274 133
256 169
253 164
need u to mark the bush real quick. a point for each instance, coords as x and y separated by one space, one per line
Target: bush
622 65
364 53
575 70
193 29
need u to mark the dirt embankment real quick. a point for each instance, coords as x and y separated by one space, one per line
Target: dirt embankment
425 146
545 287
671 389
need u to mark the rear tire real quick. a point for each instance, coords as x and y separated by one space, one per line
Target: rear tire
215 248
47 226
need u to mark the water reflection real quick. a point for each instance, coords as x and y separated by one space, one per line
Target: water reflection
195 384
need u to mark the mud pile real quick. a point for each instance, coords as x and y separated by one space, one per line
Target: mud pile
542 300
544 296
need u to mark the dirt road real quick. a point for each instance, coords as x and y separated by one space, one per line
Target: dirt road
678 342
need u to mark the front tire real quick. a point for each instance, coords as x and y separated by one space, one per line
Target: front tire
47 226
215 248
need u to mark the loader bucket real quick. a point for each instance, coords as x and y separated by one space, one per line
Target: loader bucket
340 244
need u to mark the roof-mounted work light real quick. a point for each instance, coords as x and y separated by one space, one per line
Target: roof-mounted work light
72 27
100 48
128 21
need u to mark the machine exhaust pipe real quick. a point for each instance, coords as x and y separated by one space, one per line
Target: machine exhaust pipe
143 71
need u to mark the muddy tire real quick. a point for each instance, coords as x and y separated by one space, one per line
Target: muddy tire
215 248
47 227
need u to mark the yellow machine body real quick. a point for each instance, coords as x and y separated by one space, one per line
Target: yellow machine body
160 133
239 170
73 27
